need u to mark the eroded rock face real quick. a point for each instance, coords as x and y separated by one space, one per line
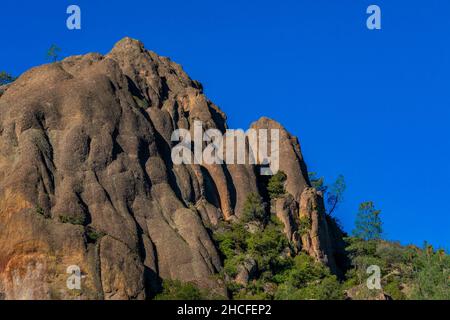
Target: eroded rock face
286 210
246 271
291 159
86 179
316 241
324 239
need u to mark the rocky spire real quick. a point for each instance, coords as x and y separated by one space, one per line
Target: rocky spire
86 179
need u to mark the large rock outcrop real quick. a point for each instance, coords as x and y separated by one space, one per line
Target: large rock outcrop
86 179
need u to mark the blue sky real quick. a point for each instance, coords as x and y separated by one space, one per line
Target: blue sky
371 105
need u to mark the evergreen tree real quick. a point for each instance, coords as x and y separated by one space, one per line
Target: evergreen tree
275 187
317 183
254 208
335 194
53 52
5 78
368 225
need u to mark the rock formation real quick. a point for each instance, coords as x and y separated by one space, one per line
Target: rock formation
86 179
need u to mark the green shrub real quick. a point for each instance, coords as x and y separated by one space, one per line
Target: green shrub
393 289
308 279
266 247
407 271
254 291
39 210
231 239
254 208
275 187
304 225
142 103
94 235
431 276
77 220
231 264
317 183
192 207
177 290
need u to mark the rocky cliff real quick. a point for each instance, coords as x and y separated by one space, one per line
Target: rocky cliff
86 179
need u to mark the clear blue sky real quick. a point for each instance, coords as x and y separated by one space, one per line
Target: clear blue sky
371 105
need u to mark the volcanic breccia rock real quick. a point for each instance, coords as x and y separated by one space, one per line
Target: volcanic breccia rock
86 179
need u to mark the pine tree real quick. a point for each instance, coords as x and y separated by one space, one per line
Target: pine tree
275 187
5 78
368 225
53 52
317 183
336 194
254 208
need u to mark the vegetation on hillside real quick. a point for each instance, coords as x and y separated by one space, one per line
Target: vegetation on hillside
177 290
279 274
407 272
260 263
275 187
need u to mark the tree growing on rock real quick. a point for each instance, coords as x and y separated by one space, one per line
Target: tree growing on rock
254 208
6 78
317 183
333 194
53 53
275 187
